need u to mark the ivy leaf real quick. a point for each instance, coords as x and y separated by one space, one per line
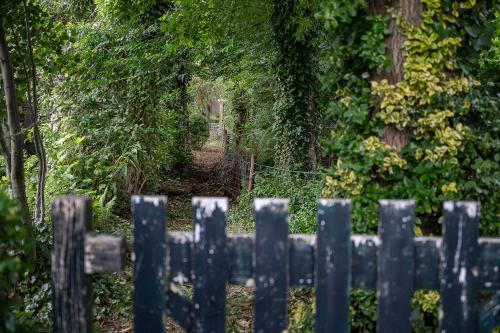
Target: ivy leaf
472 30
484 40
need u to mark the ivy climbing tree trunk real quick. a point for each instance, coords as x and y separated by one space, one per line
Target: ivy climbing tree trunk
409 11
17 183
311 113
241 118
185 112
295 32
183 78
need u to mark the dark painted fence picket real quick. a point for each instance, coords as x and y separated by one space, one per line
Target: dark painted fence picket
458 264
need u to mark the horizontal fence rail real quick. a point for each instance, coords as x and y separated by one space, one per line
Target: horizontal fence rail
459 265
302 257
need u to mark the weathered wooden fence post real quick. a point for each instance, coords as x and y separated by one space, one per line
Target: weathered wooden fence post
210 266
150 254
270 265
71 217
459 267
395 266
333 260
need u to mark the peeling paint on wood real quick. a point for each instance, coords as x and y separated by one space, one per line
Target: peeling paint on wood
301 269
150 252
363 260
209 270
489 263
489 317
180 308
270 265
333 256
240 254
459 260
458 264
395 266
426 266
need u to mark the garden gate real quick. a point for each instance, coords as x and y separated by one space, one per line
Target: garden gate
458 264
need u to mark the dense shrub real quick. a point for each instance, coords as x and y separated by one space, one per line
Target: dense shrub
442 109
198 130
302 192
120 133
14 263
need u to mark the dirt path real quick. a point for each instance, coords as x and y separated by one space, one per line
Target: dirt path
202 181
198 181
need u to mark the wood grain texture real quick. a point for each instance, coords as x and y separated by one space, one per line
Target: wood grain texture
209 271
489 316
104 253
71 217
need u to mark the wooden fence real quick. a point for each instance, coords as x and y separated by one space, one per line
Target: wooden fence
458 264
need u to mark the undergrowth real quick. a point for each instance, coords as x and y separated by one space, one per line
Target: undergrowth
301 192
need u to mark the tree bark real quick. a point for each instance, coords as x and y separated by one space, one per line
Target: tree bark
251 174
14 124
5 147
296 66
311 151
39 214
410 11
241 118
185 112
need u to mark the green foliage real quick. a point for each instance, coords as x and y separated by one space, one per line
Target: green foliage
115 130
302 193
303 311
258 138
296 113
425 311
489 69
113 75
445 159
14 266
363 311
36 291
198 130
113 297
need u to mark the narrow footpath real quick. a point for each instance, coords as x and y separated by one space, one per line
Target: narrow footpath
199 181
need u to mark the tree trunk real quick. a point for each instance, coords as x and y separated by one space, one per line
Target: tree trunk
185 112
410 11
241 118
311 151
39 214
296 66
5 147
251 174
14 123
